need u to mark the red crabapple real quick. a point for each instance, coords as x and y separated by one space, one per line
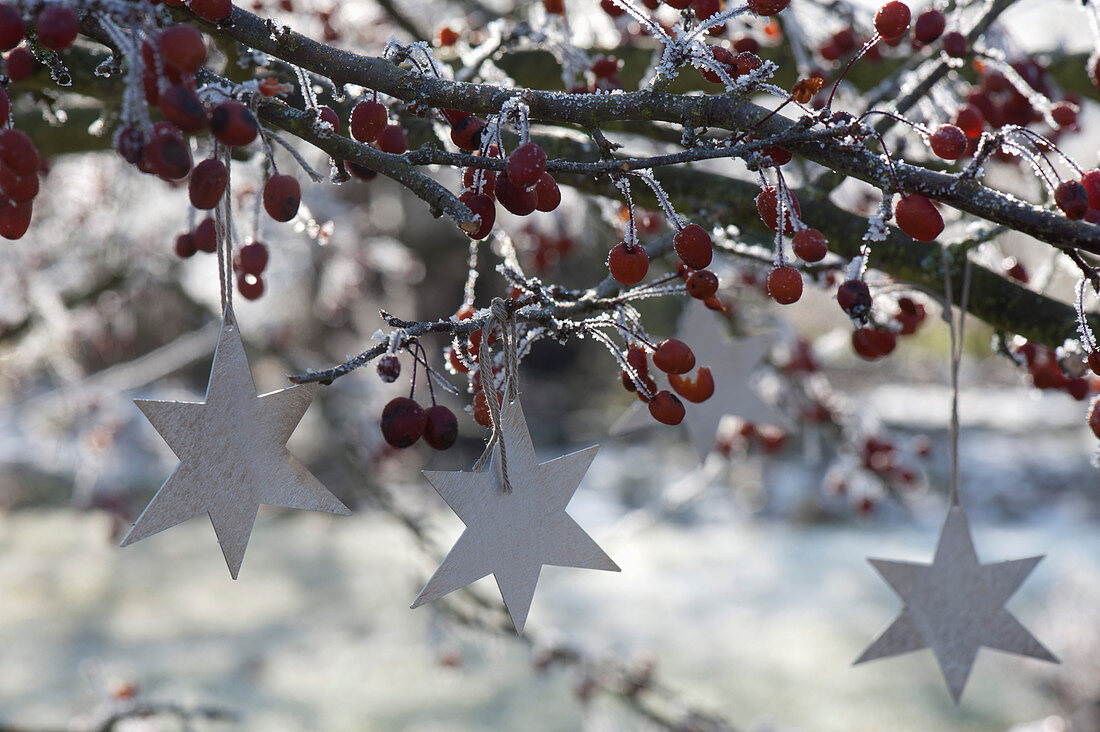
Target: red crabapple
628 265
892 19
403 422
785 285
282 197
693 246
918 217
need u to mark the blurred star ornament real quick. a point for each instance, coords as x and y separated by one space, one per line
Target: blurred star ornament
731 363
232 451
512 534
955 606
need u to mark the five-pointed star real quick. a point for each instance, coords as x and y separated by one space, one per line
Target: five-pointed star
511 535
955 605
233 456
731 363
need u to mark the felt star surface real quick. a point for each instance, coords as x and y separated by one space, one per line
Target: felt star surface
512 535
731 363
955 606
233 456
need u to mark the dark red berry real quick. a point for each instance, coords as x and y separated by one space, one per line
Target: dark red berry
466 132
205 236
368 119
12 29
810 245
282 196
15 219
482 206
253 258
702 284
970 120
693 246
130 143
918 217
327 114
19 64
441 429
168 156
767 7
233 123
57 27
18 152
547 192
520 201
892 19
1072 198
207 184
181 106
18 189
1064 115
673 356
694 390
526 164
403 422
628 265
872 343
854 298
666 408
955 44
929 25
393 140
214 11
389 368
767 205
785 285
250 286
182 48
948 142
185 246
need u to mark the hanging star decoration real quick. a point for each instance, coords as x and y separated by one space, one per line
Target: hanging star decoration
731 362
233 455
955 606
512 534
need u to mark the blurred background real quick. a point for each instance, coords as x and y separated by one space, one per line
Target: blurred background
745 592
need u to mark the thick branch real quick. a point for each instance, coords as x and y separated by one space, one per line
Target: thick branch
590 110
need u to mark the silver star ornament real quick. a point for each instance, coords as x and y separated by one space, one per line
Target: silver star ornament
233 455
512 535
955 606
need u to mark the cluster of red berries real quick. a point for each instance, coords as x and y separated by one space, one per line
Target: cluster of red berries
871 341
522 188
404 422
1047 372
547 250
369 123
676 359
784 283
750 437
884 460
56 27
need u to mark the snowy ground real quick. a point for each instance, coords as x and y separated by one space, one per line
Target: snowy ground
755 619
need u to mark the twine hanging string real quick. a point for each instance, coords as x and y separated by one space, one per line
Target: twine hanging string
956 331
502 316
223 229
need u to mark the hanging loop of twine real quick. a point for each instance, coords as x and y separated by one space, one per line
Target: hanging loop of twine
223 222
500 316
956 330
